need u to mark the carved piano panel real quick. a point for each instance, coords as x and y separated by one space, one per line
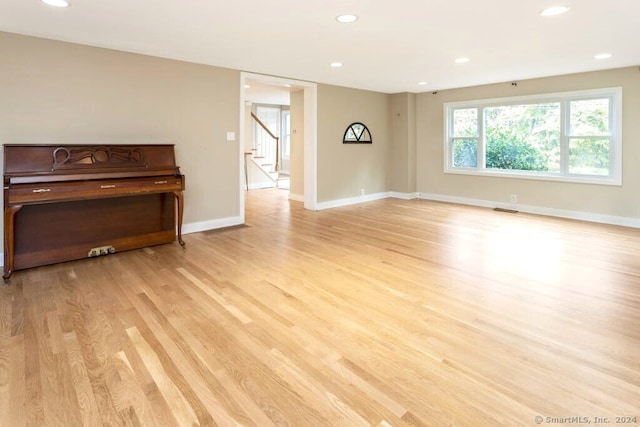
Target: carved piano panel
70 202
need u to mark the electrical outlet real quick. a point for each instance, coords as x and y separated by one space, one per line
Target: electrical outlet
514 198
362 191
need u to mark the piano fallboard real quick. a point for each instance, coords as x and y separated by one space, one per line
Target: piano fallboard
22 194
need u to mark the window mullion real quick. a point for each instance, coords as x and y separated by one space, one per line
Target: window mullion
482 159
614 150
564 136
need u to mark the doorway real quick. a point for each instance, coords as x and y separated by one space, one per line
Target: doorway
302 142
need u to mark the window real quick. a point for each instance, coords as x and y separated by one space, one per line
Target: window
573 136
286 134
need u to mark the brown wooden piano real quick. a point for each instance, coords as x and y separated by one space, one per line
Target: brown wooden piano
66 202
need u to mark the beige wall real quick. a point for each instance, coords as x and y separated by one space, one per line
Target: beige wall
345 169
597 199
65 93
296 167
402 150
55 92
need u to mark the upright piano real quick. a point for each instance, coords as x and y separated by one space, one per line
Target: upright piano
66 202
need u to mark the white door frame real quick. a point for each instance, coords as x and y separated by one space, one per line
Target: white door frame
310 135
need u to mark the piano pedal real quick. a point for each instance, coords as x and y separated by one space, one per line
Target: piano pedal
101 250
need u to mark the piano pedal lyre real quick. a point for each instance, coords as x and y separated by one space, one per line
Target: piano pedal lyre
101 250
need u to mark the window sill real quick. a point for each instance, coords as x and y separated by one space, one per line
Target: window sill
537 176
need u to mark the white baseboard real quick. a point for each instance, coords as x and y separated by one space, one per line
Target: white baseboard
367 198
260 185
213 224
296 197
538 210
351 201
404 196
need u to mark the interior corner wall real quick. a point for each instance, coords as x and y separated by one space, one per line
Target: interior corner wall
296 166
57 92
402 147
344 170
618 201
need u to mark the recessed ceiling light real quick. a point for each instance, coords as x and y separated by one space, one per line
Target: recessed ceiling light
603 56
336 64
57 3
422 83
554 10
346 19
461 60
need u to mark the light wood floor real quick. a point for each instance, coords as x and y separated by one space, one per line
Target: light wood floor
386 313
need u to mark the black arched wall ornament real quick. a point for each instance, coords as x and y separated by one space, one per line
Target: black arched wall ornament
357 133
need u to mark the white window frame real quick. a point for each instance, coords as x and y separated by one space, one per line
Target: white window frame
564 98
286 134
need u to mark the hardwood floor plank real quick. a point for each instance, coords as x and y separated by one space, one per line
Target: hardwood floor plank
216 297
92 344
33 385
368 389
185 369
5 352
235 400
160 412
251 367
181 408
162 363
81 382
14 414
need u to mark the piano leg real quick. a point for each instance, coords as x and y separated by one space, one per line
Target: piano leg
9 240
179 210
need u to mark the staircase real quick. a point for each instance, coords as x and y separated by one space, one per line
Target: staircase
266 146
262 162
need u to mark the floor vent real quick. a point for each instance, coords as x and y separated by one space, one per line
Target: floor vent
505 210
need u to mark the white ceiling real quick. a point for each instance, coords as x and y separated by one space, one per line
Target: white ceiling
393 46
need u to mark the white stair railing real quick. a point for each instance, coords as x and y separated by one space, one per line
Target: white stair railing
267 146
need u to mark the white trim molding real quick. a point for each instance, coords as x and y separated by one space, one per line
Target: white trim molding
310 133
404 196
262 185
537 210
296 197
351 201
367 198
613 95
213 224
